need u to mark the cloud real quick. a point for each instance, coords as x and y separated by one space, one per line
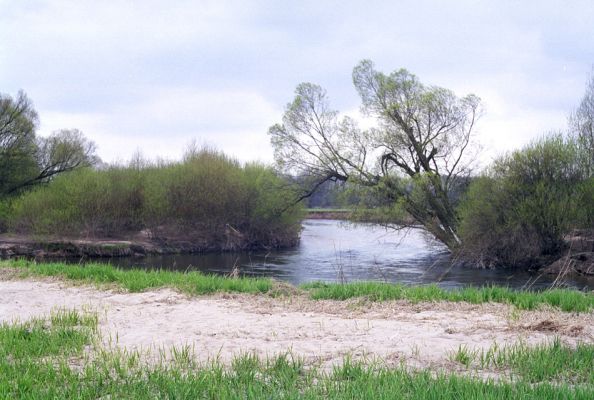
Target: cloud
153 74
169 118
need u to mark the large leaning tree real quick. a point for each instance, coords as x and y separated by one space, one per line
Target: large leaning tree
417 156
25 158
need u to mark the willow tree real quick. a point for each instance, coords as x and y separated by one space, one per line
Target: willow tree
415 157
25 158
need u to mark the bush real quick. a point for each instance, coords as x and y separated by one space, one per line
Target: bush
520 211
205 197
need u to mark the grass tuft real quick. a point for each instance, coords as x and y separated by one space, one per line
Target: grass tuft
552 361
564 299
66 332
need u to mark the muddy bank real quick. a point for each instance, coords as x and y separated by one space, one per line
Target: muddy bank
579 258
321 332
136 245
574 264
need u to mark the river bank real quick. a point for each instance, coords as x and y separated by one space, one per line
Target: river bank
324 332
328 250
167 325
197 283
138 244
328 213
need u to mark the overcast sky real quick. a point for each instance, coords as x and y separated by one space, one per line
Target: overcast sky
153 75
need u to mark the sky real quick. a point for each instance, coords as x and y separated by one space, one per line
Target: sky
153 76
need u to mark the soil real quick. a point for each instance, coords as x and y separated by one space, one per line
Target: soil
137 244
320 332
579 259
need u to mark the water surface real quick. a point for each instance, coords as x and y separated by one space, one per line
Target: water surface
335 251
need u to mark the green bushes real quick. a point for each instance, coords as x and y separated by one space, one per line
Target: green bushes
83 202
207 197
519 212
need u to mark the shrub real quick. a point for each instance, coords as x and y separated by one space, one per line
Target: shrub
203 197
521 209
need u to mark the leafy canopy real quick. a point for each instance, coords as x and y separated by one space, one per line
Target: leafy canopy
417 156
25 158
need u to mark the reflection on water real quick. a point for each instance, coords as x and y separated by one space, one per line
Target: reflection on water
335 251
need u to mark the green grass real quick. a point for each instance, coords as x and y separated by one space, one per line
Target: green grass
552 361
65 332
137 280
45 359
196 283
564 299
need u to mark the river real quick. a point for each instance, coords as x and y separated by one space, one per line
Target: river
335 251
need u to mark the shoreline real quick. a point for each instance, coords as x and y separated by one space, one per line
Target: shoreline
138 245
328 214
197 283
322 332
66 337
578 261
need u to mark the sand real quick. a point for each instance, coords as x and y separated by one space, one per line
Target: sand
321 332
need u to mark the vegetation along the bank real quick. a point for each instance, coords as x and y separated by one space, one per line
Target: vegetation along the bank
196 283
208 200
520 211
56 186
61 357
564 299
416 166
136 280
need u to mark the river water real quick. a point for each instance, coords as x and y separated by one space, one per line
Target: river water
335 251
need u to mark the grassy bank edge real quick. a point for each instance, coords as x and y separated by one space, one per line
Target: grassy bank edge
138 280
569 300
196 283
46 358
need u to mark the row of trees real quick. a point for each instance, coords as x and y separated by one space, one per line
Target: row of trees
415 167
417 163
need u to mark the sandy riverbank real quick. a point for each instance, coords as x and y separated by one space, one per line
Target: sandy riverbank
324 332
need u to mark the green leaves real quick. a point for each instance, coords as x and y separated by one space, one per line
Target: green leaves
526 204
195 199
26 160
422 131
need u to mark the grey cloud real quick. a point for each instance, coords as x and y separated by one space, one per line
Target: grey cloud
110 66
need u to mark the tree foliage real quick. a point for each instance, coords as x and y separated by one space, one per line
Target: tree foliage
18 121
200 200
518 213
415 158
26 159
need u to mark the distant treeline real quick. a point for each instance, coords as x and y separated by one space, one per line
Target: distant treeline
206 198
